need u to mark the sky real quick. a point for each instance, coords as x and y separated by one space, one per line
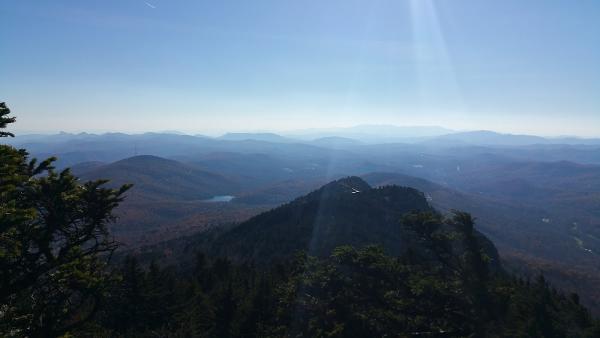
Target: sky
275 65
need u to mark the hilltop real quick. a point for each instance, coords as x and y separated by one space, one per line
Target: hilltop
157 178
347 211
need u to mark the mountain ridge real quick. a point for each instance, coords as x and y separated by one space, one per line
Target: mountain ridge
347 211
157 178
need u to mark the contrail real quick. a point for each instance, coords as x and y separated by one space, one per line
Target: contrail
150 5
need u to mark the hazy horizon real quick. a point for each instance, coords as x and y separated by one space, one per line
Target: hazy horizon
304 133
211 67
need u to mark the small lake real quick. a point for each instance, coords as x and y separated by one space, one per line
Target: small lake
220 198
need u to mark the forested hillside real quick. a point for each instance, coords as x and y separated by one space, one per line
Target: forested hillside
352 293
430 276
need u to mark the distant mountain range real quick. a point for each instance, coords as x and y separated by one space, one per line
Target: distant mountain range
267 137
490 138
374 133
355 136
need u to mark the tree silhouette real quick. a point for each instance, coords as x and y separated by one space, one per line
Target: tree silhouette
54 243
5 120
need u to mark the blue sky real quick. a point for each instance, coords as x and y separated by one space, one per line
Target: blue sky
210 66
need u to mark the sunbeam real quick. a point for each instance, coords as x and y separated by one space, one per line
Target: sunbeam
435 74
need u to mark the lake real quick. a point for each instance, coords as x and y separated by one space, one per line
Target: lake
220 198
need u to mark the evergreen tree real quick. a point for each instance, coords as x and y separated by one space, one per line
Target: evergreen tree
54 243
5 120
475 269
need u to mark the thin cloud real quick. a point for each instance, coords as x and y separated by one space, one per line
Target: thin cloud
150 5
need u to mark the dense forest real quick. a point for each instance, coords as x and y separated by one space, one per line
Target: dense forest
353 293
59 275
